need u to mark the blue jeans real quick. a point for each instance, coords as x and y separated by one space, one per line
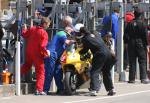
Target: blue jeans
53 69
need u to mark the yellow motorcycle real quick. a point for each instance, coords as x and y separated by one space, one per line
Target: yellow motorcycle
76 68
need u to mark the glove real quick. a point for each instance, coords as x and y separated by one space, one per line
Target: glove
85 56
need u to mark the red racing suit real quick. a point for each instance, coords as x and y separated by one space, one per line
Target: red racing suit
36 42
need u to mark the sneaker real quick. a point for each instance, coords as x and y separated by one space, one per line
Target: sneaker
144 81
40 93
91 90
111 93
60 92
131 81
43 93
93 93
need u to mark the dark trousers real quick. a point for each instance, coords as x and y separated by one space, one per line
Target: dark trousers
126 59
137 50
106 71
101 63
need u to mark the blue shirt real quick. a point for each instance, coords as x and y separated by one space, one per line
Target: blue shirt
114 29
58 43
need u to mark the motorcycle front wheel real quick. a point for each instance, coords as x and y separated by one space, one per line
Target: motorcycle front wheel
70 81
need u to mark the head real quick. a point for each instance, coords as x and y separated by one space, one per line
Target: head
45 22
80 30
42 11
67 21
37 14
137 13
116 11
129 16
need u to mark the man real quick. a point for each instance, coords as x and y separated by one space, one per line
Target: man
129 16
111 24
36 41
135 39
102 59
52 64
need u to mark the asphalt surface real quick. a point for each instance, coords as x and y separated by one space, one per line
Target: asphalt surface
126 93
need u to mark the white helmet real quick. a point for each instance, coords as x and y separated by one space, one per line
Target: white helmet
77 27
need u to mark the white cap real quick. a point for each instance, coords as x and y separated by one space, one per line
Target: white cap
77 27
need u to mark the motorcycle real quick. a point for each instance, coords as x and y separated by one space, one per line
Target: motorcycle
76 68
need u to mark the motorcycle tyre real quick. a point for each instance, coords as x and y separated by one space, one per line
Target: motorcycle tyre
67 83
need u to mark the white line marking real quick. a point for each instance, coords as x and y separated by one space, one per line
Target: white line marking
121 95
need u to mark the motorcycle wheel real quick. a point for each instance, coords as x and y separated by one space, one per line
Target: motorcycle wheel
70 81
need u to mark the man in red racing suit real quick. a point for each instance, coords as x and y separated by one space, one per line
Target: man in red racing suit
36 42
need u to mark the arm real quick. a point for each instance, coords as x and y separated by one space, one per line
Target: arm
65 40
43 44
145 34
25 31
126 34
85 48
68 42
114 27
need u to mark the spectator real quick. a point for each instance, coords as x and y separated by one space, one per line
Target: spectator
111 24
37 39
129 16
136 41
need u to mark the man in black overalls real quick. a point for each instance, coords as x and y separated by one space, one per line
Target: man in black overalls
135 39
102 60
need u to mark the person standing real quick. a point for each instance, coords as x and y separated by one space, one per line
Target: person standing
136 41
110 24
36 41
102 59
129 16
52 63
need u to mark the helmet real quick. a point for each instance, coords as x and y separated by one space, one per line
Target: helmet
77 27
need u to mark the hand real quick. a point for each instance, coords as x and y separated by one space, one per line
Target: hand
68 42
24 26
48 52
147 49
72 41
